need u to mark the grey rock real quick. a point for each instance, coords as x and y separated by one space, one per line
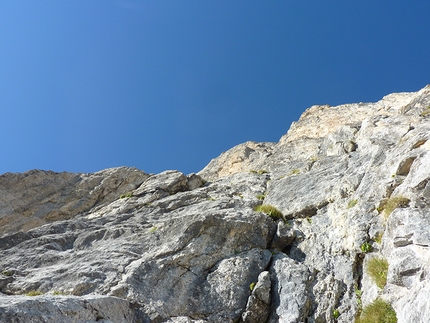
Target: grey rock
284 237
154 255
37 197
184 319
67 309
242 158
303 194
415 306
290 293
258 306
194 181
121 245
170 182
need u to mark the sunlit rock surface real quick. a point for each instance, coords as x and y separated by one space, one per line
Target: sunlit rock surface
120 245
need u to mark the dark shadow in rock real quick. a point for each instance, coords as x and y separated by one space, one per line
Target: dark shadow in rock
297 254
405 166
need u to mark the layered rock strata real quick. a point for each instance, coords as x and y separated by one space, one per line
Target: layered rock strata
120 245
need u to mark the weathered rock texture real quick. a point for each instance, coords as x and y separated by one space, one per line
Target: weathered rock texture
121 245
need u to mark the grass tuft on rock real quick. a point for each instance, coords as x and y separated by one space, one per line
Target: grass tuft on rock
377 268
378 312
34 293
389 205
270 210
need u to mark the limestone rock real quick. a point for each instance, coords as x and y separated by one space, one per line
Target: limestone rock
170 257
121 245
284 237
258 306
67 309
291 290
37 197
244 157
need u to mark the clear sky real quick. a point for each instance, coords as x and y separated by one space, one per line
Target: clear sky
88 85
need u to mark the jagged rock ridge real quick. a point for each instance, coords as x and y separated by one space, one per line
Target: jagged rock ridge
121 245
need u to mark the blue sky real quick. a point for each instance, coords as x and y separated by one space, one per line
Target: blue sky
88 85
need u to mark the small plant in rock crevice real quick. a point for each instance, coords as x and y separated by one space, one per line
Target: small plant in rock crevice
7 273
270 210
378 312
352 203
366 247
358 295
123 196
252 286
377 268
336 314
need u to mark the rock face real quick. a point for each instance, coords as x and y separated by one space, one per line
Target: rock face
120 245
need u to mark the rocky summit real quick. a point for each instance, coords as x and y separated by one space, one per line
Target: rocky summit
330 224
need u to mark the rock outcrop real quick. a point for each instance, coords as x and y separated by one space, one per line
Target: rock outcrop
345 191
